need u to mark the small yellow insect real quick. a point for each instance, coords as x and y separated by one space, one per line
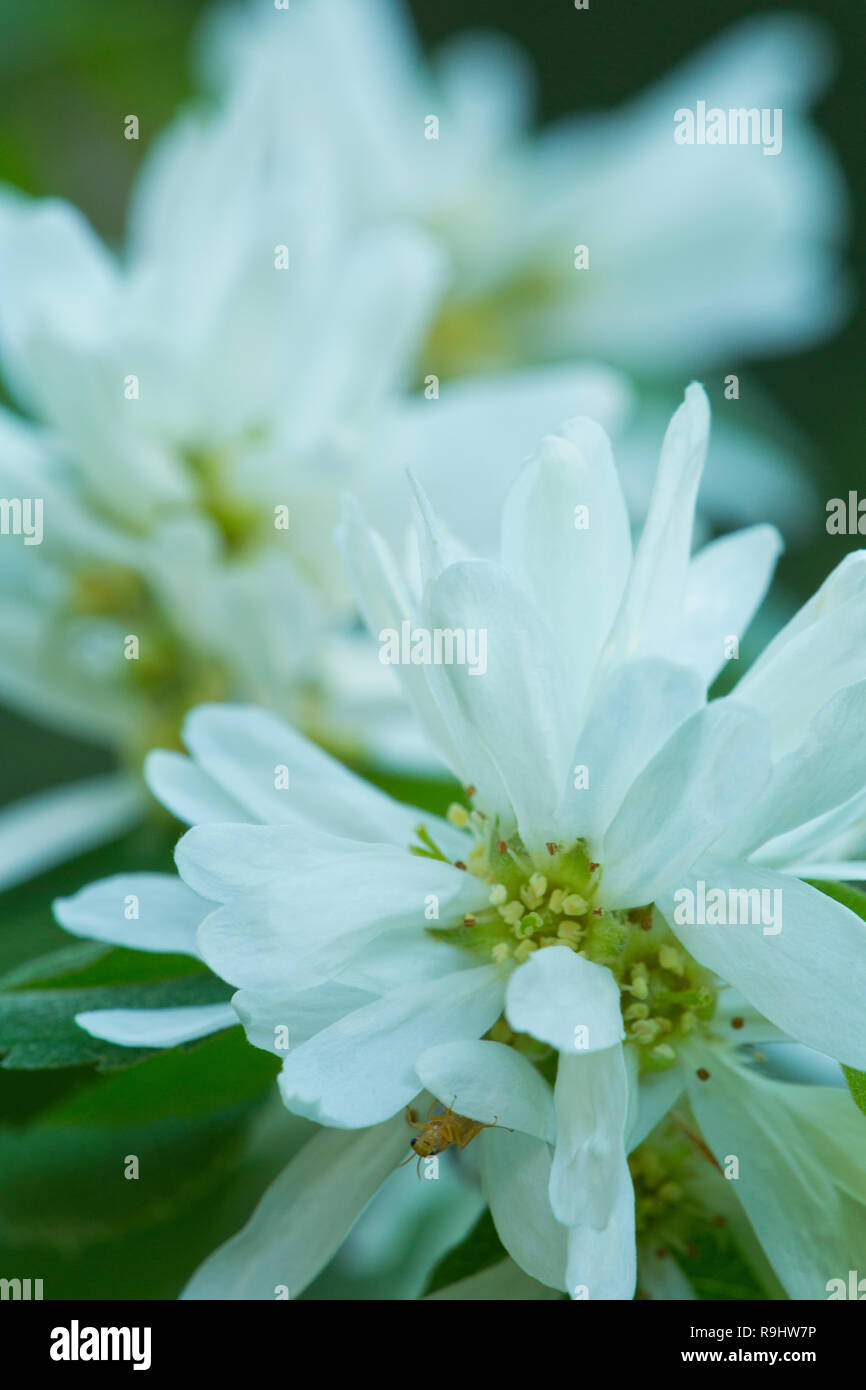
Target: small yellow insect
440 1132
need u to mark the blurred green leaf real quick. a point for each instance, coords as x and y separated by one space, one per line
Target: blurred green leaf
96 963
56 965
206 1076
480 1249
38 1028
70 1217
855 900
66 1184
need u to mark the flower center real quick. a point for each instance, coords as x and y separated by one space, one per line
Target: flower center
665 994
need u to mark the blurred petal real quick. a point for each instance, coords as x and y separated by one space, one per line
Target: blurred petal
157 1027
44 829
146 912
303 1217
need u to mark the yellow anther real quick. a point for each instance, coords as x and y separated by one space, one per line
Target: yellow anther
569 932
664 1052
574 905
511 912
529 896
501 952
458 815
636 1011
671 959
645 1030
550 941
639 987
538 884
524 950
556 900
498 895
688 1021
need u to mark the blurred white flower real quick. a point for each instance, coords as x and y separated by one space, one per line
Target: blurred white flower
401 951
695 252
695 256
195 409
296 253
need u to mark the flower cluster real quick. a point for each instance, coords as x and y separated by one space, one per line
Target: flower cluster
523 958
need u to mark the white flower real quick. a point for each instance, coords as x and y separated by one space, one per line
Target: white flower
397 968
196 411
696 253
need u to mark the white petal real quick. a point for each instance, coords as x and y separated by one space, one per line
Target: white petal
822 648
638 707
602 1264
725 585
505 1281
651 610
472 443
57 279
575 575
836 835
187 791
244 748
147 912
284 1019
591 1100
489 85
437 547
388 287
787 1061
853 869
509 716
751 1027
45 829
303 1217
565 1000
319 911
655 1094
362 1069
157 1027
825 771
385 605
713 765
488 1081
515 1170
801 1173
807 978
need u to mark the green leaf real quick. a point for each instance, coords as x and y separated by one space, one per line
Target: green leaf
38 1028
69 1214
105 965
219 1071
856 1085
56 965
479 1250
855 900
844 894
